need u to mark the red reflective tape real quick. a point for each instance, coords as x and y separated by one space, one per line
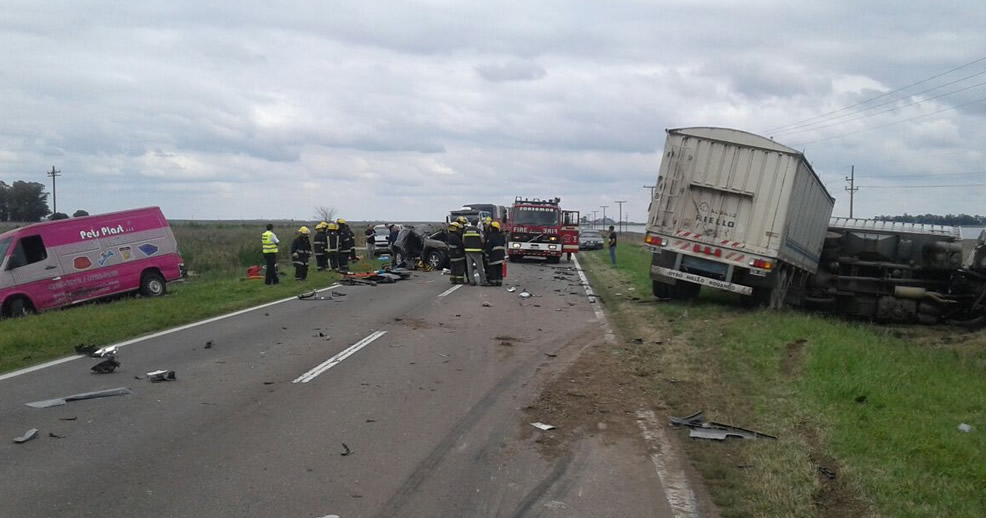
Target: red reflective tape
740 258
730 254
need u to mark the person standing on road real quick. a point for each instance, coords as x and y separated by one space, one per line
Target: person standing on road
301 251
332 249
346 243
320 244
496 252
269 241
371 237
456 254
472 241
612 245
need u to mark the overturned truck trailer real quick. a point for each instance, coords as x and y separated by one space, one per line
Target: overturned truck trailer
898 272
738 212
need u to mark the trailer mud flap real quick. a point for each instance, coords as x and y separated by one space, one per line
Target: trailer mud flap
704 281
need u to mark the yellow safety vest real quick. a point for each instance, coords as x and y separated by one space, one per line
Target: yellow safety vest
270 247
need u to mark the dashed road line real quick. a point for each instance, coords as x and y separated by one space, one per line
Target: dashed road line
156 335
450 290
337 359
591 295
669 467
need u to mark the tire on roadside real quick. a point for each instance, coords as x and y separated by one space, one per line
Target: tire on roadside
152 285
19 307
436 259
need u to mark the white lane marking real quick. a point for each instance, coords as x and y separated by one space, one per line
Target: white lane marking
591 295
337 359
155 335
450 290
670 470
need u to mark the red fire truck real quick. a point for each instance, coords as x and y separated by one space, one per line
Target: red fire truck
540 228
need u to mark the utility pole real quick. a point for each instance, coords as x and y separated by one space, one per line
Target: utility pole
604 213
620 220
54 173
651 187
594 218
852 186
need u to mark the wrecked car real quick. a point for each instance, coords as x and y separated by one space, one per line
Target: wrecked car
425 243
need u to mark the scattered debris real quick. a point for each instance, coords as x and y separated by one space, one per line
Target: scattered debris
284 328
551 355
79 397
337 294
638 340
30 434
161 375
525 295
268 383
108 351
72 418
371 420
487 305
458 314
542 426
321 334
398 319
699 428
861 399
346 451
446 271
106 366
266 314
85 349
827 473
208 345
965 428
511 289
309 295
54 435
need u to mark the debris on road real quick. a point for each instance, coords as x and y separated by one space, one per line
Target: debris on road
827 473
85 349
699 428
965 428
161 375
103 352
308 295
346 450
72 418
542 426
511 289
208 345
487 305
525 295
54 435
79 397
106 366
551 355
30 434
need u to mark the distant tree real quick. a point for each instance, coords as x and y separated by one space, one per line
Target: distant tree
323 213
936 219
4 194
27 201
79 213
58 215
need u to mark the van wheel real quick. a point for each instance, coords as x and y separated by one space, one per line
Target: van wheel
152 285
20 307
436 260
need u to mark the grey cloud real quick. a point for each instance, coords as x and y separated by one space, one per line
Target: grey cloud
511 71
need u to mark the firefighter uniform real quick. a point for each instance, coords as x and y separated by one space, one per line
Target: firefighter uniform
496 252
301 251
320 244
472 241
346 243
456 254
268 242
332 246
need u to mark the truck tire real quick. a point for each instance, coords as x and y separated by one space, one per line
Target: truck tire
152 285
685 291
436 260
20 307
661 291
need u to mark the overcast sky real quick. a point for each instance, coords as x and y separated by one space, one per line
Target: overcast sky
402 110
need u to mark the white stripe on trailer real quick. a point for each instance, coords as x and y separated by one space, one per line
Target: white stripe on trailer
704 281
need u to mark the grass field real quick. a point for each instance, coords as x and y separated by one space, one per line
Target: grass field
867 416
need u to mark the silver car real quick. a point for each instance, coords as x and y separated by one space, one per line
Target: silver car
590 239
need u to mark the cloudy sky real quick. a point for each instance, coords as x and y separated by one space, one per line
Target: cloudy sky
405 109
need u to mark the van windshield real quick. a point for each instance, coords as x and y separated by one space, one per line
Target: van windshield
4 245
535 216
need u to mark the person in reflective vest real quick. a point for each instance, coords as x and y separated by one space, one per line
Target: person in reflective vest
268 242
472 242
346 243
320 244
301 251
332 248
456 254
496 252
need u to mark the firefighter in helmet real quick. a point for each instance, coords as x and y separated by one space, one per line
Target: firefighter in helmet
347 244
472 241
456 254
332 246
320 245
496 252
301 251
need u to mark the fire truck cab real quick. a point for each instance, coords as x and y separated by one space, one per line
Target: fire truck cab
540 228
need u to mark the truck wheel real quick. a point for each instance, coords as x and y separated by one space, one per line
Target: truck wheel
661 291
436 260
398 258
152 285
685 291
20 307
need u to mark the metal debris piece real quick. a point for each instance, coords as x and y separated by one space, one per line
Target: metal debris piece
827 473
103 352
346 451
699 428
54 435
72 418
551 355
85 349
106 366
487 305
161 375
511 289
965 428
308 295
79 397
208 345
525 295
542 426
28 435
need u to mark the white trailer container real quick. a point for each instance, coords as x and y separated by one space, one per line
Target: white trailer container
735 211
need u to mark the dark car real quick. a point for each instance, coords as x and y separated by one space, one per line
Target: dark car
423 243
590 239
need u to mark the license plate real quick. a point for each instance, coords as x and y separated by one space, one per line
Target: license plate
704 281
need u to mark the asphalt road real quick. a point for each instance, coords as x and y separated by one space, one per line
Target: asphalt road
431 411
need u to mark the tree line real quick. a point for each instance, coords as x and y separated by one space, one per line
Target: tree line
26 202
960 220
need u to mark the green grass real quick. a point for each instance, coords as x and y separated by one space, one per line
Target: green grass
898 453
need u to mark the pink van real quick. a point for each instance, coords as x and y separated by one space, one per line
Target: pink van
57 263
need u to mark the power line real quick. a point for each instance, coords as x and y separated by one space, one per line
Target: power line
920 175
890 123
812 127
937 186
865 101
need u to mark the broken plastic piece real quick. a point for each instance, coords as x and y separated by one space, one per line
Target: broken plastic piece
208 345
85 349
699 428
542 426
965 428
103 352
307 295
346 451
79 397
525 295
487 305
511 289
54 435
106 366
161 375
28 435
